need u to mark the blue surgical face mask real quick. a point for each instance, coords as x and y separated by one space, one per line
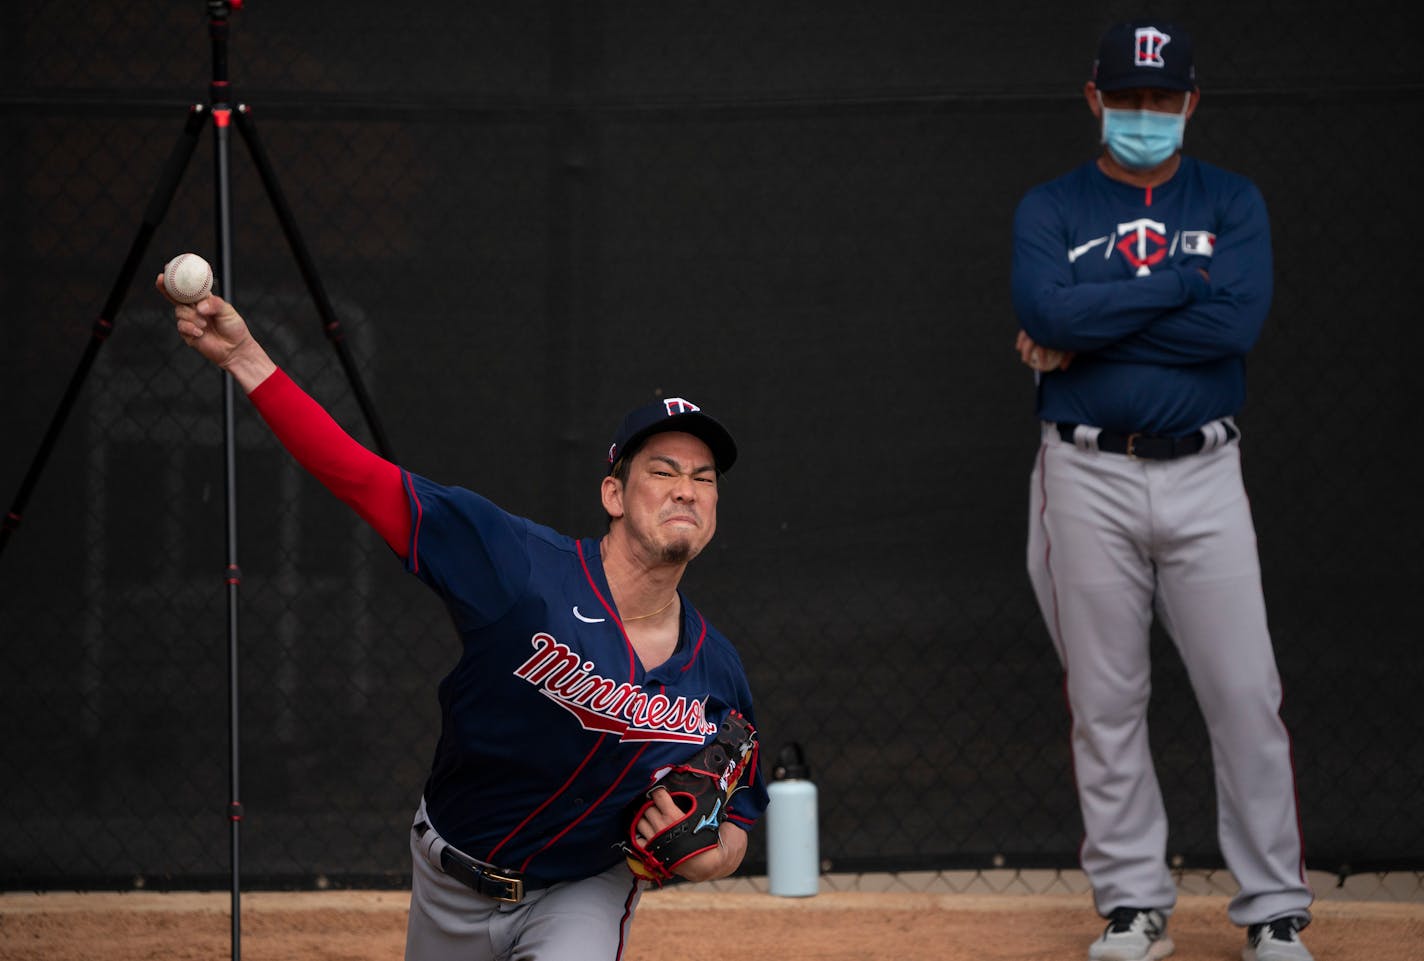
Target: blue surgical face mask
1142 139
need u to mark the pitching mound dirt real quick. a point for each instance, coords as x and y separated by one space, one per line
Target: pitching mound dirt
675 923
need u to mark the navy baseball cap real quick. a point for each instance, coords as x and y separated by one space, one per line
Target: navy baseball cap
1145 53
672 413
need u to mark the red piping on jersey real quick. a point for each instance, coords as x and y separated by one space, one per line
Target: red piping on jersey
1149 197
414 549
701 636
547 801
591 808
588 575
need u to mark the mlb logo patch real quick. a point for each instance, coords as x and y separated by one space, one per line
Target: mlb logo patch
1200 242
1150 42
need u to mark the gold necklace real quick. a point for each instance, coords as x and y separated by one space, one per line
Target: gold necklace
641 617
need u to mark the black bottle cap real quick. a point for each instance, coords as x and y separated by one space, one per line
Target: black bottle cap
791 764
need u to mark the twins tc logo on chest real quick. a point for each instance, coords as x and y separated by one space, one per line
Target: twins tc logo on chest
1144 244
608 706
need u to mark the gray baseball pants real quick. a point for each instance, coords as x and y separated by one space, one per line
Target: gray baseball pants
1111 540
585 920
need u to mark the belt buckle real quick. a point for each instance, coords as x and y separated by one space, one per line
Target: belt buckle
1131 445
514 887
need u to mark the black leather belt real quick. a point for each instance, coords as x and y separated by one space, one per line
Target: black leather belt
1148 446
486 879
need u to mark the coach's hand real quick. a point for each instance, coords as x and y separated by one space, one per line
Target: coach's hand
215 329
1041 359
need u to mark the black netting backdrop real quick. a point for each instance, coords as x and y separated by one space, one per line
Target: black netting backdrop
531 216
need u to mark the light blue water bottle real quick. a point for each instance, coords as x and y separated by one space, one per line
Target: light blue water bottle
793 858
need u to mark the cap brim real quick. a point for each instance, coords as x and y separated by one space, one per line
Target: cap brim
699 425
1144 81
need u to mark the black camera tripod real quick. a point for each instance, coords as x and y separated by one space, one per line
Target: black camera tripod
222 114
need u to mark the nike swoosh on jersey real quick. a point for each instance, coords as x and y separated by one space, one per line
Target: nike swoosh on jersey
1082 249
587 620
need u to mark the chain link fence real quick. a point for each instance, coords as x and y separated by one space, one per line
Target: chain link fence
532 216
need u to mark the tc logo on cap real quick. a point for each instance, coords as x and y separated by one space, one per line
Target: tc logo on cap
1150 42
677 414
676 405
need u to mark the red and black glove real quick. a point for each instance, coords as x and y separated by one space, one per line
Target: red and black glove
702 786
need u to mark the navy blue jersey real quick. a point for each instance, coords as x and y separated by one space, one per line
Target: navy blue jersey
1110 271
549 724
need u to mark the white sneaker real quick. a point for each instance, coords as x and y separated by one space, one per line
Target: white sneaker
1276 941
1134 934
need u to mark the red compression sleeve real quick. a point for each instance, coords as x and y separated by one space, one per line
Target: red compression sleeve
370 484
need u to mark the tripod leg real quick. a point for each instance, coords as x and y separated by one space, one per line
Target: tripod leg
153 216
330 324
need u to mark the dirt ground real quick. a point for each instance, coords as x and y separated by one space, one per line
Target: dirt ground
684 923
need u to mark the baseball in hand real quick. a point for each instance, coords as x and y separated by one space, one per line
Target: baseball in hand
188 278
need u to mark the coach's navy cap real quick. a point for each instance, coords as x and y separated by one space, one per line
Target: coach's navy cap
1145 53
672 413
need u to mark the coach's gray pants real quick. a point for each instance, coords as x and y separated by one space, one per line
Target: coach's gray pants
585 920
1111 539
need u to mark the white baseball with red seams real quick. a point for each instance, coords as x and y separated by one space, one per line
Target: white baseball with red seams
188 278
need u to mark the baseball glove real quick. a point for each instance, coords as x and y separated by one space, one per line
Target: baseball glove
702 786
